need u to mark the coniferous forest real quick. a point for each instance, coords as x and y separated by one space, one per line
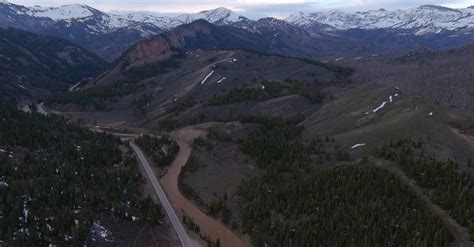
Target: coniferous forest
162 150
450 188
349 205
58 181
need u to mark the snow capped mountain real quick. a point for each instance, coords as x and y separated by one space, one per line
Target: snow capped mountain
219 16
106 34
110 22
422 20
73 11
143 17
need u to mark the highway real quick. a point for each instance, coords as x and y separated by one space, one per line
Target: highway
182 234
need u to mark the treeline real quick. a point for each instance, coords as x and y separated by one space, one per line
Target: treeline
450 188
190 167
162 150
267 90
340 72
96 96
57 179
359 205
355 205
278 146
150 70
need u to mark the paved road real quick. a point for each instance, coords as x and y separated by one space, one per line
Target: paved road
182 234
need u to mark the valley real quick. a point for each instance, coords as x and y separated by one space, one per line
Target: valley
359 117
323 128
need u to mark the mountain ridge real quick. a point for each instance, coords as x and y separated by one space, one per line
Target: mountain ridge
426 19
108 34
32 64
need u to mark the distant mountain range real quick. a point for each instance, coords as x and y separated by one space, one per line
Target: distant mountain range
360 33
426 19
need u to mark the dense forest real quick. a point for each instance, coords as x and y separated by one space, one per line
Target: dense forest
355 205
293 204
278 146
162 150
98 95
450 188
58 181
267 90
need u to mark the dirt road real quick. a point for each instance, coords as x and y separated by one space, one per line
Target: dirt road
460 233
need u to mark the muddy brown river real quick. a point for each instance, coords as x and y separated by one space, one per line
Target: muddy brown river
208 225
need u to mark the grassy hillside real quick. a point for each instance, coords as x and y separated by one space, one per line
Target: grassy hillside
443 76
406 116
196 78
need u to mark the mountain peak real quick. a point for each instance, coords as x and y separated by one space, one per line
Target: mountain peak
70 11
435 7
218 10
421 20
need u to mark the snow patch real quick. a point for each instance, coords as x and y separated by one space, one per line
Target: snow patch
380 107
207 77
3 182
358 145
99 231
223 78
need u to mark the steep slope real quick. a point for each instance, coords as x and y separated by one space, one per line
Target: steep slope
269 36
33 64
102 33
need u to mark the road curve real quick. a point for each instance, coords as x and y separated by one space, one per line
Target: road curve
182 234
208 225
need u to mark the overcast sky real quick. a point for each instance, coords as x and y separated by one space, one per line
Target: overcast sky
250 8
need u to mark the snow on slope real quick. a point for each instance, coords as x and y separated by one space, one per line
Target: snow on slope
424 19
84 13
220 16
72 11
